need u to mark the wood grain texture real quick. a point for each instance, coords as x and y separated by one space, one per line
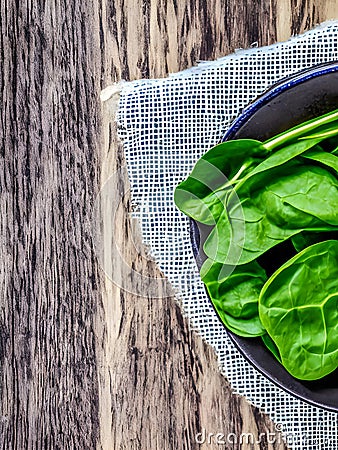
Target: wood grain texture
84 364
160 384
49 277
296 16
151 38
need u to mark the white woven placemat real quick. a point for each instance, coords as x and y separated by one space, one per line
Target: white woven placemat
166 125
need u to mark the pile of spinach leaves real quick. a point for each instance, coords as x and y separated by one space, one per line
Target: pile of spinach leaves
258 197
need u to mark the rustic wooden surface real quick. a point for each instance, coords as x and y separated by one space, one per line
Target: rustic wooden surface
84 364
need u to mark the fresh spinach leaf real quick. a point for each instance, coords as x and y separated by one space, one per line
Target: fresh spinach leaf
234 292
269 343
259 195
299 198
322 157
307 238
202 195
298 306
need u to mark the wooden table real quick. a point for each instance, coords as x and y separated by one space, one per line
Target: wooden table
84 364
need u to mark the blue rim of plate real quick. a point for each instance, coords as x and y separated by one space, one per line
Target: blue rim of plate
283 85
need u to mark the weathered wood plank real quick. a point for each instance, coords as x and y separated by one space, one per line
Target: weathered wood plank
50 290
160 383
154 37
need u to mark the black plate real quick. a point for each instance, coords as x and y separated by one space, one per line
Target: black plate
294 100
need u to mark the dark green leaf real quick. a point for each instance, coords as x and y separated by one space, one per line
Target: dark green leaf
298 306
202 195
325 158
303 198
234 292
271 346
